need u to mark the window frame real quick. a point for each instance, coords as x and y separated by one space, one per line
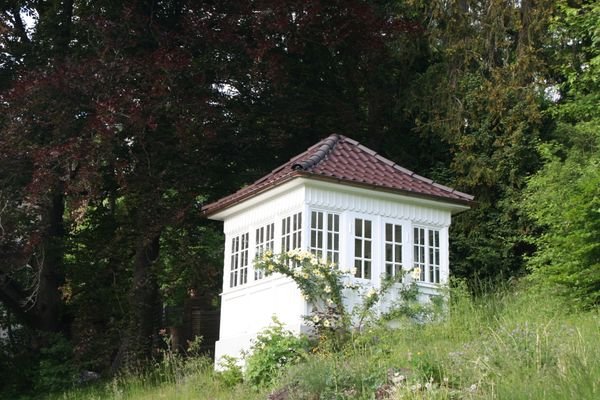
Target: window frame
429 258
360 260
291 232
397 244
326 236
239 260
263 241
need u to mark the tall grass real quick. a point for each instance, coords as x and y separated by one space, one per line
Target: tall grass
511 344
506 345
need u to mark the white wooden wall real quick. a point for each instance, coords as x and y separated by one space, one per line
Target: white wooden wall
248 308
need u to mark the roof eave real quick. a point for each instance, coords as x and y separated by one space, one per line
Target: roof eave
207 211
463 204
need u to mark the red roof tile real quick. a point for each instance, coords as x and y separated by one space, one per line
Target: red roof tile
341 159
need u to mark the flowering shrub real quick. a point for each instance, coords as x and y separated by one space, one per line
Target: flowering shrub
323 285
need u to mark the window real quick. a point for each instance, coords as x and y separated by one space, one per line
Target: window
325 235
239 260
291 232
362 248
393 249
419 251
427 254
265 240
434 256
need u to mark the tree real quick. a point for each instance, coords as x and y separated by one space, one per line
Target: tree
480 104
118 120
564 196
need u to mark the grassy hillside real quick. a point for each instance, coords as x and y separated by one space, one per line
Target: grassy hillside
514 345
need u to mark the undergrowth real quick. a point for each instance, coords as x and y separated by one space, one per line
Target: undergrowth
513 344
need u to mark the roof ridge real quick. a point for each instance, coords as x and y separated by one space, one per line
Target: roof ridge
321 153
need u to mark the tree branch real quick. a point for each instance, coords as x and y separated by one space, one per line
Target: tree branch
19 26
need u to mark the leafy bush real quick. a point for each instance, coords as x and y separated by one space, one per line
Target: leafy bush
274 349
564 199
230 373
56 370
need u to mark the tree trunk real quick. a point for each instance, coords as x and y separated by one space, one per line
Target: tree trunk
41 307
144 311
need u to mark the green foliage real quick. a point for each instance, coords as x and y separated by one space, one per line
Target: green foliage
516 343
273 349
56 370
564 198
513 344
231 373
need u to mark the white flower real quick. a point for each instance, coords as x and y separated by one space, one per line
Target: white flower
372 292
326 323
327 289
416 273
316 319
330 302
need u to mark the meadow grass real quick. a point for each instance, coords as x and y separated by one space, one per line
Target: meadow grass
508 345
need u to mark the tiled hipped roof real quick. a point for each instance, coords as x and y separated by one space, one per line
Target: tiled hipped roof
344 160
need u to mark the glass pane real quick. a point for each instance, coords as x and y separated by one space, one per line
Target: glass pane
368 249
336 242
388 233
357 248
389 253
398 270
431 242
398 233
357 266
368 229
389 268
398 253
320 220
336 223
313 239
367 270
358 227
416 254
